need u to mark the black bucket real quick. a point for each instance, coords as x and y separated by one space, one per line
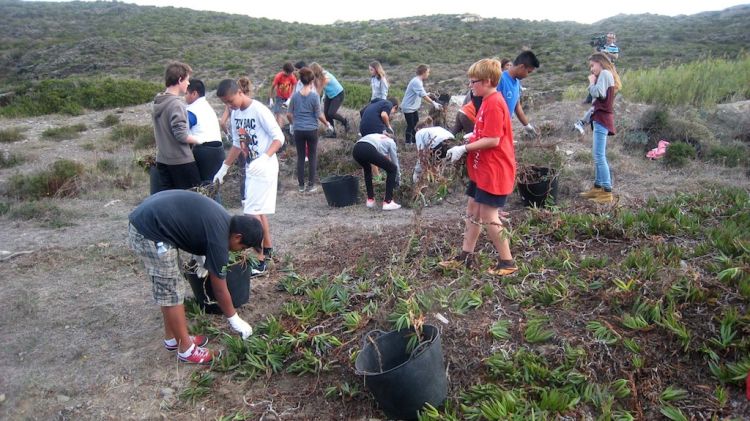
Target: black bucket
340 190
403 382
238 284
540 193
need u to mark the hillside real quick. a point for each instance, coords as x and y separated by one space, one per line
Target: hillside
56 40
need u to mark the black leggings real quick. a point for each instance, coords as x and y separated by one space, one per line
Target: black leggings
183 176
365 154
411 126
307 138
331 108
209 156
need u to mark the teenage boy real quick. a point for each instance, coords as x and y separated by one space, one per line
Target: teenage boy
255 132
204 125
174 159
413 100
282 89
510 86
376 117
491 166
178 219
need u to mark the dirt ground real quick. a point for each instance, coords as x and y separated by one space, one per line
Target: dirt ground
82 338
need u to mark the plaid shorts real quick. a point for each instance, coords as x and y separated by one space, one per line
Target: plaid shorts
166 280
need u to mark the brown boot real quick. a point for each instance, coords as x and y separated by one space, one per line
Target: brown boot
504 268
588 194
603 197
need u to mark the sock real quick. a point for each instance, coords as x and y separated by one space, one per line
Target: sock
267 251
188 352
170 342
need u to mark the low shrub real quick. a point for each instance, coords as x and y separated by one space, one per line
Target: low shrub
58 180
13 134
678 154
106 165
64 132
110 120
733 155
9 159
44 212
73 95
140 136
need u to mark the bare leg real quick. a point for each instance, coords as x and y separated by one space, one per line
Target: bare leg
472 230
175 326
495 231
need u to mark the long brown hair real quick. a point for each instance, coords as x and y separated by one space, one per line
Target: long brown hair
606 64
379 72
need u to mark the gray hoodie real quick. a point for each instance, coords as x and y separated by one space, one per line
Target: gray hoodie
171 130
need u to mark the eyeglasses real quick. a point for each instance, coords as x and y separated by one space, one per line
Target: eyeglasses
471 82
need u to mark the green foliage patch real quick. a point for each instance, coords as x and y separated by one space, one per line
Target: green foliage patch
58 180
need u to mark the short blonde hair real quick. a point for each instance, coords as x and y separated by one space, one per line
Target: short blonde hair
486 69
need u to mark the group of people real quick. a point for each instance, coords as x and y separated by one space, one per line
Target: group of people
189 152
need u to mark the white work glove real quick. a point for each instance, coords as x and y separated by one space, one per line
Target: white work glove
258 165
221 173
530 130
200 270
240 326
291 128
455 153
437 106
389 130
270 102
286 103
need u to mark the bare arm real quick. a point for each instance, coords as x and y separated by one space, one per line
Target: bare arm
222 295
483 143
520 114
232 155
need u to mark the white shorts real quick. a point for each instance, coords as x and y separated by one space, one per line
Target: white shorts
260 190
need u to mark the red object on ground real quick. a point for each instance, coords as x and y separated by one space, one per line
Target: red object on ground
747 386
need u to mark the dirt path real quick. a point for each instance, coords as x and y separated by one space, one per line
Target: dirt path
82 337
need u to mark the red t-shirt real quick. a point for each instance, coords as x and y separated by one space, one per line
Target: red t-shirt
493 170
284 85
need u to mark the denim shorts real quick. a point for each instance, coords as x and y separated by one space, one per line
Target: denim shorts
481 196
166 279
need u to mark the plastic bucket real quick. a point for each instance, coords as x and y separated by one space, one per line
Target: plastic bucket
340 190
403 382
238 284
542 192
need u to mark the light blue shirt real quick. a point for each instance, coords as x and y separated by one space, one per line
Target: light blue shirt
510 88
413 95
333 87
379 88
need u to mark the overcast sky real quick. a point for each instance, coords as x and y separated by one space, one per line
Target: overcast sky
329 11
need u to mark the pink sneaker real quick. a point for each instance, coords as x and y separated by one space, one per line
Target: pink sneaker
370 203
198 340
199 355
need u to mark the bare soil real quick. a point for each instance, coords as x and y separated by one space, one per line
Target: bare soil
82 338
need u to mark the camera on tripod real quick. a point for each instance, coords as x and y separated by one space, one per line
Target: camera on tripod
598 41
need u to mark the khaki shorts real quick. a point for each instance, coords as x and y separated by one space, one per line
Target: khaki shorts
166 279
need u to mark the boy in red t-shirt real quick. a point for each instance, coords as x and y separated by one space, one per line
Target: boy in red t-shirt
491 164
282 89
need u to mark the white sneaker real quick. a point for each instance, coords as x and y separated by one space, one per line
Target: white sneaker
370 203
578 126
391 205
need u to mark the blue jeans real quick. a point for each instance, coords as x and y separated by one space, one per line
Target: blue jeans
599 150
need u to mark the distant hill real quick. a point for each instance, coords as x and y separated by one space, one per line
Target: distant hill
55 40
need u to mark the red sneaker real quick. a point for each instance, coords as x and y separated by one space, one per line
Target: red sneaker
198 340
199 355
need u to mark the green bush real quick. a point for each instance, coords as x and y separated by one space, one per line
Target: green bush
678 154
358 95
44 212
72 96
9 159
13 134
700 83
141 136
57 180
64 132
110 120
731 156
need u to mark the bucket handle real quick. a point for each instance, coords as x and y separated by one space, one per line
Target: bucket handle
419 348
367 338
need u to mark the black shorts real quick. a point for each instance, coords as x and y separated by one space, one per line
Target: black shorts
481 196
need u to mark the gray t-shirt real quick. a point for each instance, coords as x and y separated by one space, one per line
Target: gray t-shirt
305 111
188 221
413 95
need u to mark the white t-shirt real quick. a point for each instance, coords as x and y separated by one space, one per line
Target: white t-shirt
257 126
430 137
206 127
